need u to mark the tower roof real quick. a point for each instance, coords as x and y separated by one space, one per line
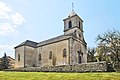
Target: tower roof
72 14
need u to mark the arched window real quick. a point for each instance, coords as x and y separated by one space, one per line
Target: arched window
18 57
50 55
64 53
70 24
39 57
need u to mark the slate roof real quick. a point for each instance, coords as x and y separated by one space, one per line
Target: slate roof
28 43
49 41
52 40
72 14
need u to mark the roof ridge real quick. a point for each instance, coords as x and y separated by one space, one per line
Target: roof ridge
31 41
52 40
28 43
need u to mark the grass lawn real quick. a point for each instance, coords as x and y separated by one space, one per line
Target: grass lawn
58 76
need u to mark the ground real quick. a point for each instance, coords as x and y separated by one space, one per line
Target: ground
58 76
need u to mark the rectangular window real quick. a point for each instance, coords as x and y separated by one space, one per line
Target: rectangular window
39 57
50 55
18 57
70 24
79 57
64 53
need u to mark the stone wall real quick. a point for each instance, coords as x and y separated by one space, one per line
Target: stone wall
20 51
27 56
57 54
30 56
85 67
77 45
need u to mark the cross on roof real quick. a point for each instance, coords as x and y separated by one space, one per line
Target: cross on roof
72 6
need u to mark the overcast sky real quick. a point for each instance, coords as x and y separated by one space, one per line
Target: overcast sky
38 20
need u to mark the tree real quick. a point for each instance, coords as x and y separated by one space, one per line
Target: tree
101 52
109 43
5 62
91 55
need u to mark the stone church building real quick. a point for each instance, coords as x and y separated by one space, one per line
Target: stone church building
66 49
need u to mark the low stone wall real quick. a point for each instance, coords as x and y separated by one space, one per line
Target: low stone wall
85 67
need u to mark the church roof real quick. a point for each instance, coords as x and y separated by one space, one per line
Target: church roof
28 43
52 40
49 41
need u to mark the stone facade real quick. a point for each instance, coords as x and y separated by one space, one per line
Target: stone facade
67 49
19 51
57 51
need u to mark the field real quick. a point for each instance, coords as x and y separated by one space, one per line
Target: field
58 76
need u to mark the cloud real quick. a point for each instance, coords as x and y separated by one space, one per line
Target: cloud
5 28
8 49
4 7
3 15
17 18
11 20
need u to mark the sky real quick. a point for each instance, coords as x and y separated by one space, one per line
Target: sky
38 20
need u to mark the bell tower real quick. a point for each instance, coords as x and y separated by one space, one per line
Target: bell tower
73 25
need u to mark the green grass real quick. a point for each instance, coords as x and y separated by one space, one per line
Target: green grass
58 76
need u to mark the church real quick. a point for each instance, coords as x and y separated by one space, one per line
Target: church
67 49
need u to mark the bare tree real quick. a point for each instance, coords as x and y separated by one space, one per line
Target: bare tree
109 43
